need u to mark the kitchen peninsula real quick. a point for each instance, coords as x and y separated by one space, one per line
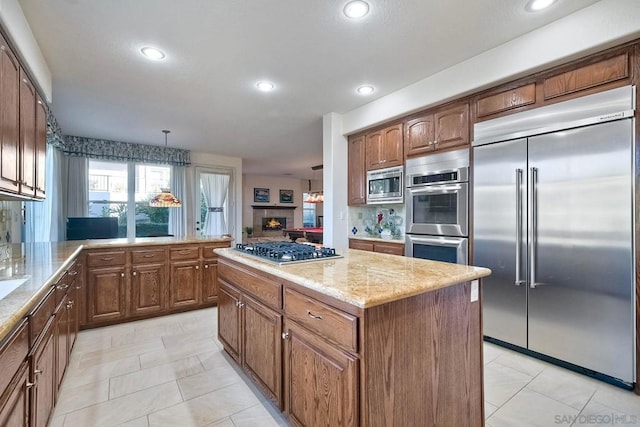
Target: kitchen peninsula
369 339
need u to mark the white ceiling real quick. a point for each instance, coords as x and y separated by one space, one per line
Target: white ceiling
204 91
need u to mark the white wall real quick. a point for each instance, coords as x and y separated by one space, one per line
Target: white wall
214 161
334 153
14 22
274 184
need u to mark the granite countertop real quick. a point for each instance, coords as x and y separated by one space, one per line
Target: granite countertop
42 264
366 279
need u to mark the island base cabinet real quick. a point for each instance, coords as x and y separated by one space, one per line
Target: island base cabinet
321 381
251 333
14 405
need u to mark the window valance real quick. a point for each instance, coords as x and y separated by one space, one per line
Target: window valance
54 133
124 151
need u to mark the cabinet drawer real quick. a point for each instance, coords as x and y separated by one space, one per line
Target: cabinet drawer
207 250
267 291
40 315
104 259
13 353
336 325
147 256
62 287
363 245
184 253
389 248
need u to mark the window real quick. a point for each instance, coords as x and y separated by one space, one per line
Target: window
308 213
117 189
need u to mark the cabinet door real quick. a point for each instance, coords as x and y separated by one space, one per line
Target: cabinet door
229 319
363 245
452 127
210 281
14 412
419 135
106 291
43 375
9 119
392 147
148 288
357 171
27 136
262 347
74 317
374 152
61 340
41 147
321 381
185 285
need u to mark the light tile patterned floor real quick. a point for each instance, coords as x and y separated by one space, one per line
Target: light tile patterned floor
172 371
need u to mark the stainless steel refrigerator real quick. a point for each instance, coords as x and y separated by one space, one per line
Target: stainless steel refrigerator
553 218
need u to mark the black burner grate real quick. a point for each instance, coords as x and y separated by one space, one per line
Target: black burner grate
283 252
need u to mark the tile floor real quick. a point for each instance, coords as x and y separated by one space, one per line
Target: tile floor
172 371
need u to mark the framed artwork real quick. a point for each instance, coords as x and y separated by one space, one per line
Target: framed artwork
261 195
286 196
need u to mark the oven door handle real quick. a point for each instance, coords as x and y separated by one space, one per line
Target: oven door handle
435 188
453 242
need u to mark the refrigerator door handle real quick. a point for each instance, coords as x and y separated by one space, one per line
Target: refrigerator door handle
534 227
518 281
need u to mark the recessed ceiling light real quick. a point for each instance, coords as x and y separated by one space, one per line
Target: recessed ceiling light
365 90
356 9
265 86
152 53
536 5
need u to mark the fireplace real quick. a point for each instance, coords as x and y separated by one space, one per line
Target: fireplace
274 223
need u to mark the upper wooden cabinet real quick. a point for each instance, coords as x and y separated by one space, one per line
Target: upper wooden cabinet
23 130
384 148
438 129
9 120
357 172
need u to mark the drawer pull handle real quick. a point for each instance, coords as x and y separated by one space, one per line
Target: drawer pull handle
237 303
62 287
38 372
72 273
29 385
107 258
185 252
314 316
149 255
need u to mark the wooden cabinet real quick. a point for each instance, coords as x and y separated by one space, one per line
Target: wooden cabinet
185 283
148 287
438 129
210 281
9 119
14 404
383 246
384 148
250 325
106 294
321 381
27 136
357 181
43 376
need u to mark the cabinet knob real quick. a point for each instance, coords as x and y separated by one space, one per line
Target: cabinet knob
62 287
285 335
237 303
206 266
121 274
135 273
197 267
29 385
38 372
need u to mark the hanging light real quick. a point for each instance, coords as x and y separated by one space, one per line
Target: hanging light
165 199
316 196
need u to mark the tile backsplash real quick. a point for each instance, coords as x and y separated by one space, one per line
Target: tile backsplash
385 221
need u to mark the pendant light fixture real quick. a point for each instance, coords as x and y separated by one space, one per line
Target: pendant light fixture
316 196
165 199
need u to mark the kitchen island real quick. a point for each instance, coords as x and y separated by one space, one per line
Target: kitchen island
365 340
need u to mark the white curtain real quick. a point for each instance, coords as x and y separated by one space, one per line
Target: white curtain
214 189
46 220
177 217
78 187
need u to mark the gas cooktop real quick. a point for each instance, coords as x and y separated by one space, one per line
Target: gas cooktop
287 253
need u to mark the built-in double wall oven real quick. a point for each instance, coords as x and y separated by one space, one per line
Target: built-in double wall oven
437 200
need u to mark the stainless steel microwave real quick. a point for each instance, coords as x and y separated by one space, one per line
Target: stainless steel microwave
385 185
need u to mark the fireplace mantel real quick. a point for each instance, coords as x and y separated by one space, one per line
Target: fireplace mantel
273 207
